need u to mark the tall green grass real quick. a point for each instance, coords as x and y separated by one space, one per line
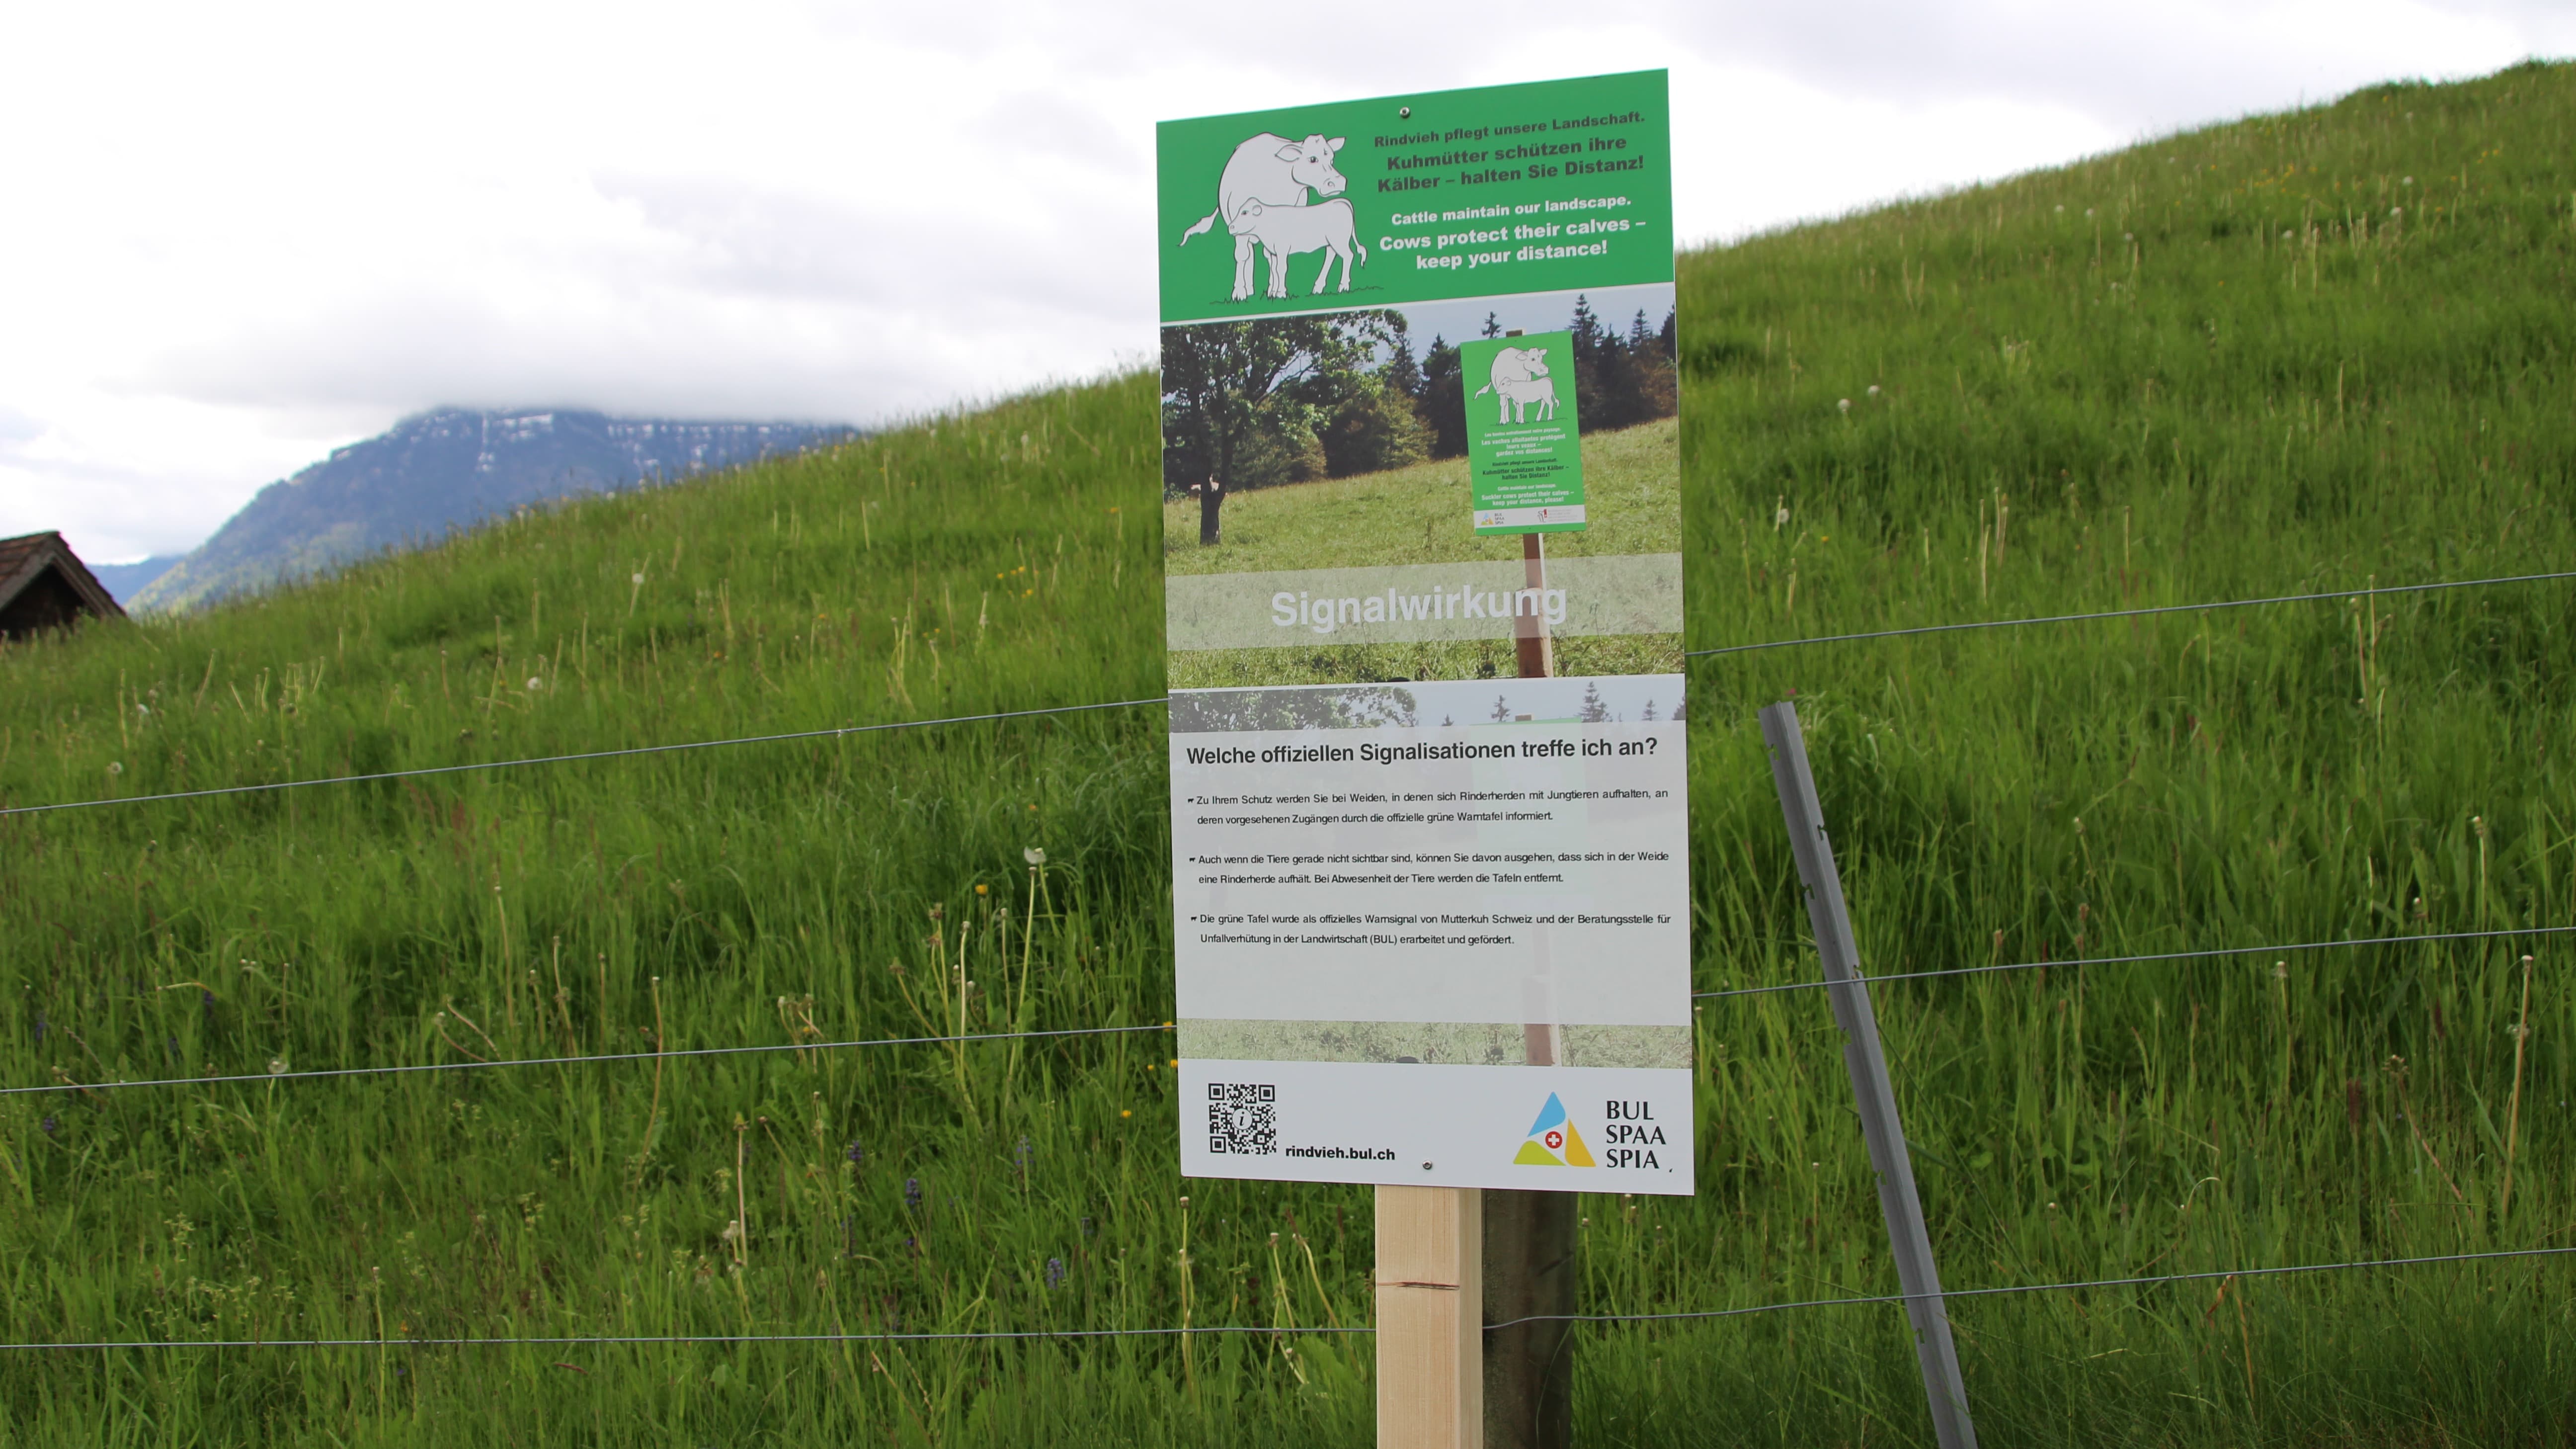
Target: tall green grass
2061 424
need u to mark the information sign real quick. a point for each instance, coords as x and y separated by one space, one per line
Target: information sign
1424 611
1524 448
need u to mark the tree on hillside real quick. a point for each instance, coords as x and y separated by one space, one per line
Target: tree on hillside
1621 381
1595 710
1242 401
1443 403
1377 427
1400 372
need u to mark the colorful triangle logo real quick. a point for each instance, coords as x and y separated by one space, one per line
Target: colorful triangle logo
1552 1140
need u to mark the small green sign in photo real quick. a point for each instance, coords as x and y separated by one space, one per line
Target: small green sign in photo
1524 447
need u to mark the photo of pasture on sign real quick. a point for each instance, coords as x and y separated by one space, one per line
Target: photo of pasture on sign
1348 493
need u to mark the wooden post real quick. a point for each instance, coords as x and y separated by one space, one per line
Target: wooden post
1530 640
1530 1236
1529 1273
1430 1319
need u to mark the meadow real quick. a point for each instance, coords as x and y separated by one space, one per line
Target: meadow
1418 515
2296 354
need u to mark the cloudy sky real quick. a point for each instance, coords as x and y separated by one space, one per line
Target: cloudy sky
240 235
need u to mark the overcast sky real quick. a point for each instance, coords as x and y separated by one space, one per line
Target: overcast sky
237 236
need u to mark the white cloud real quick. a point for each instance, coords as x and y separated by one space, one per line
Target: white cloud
272 230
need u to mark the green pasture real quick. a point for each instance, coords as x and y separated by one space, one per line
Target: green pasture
1421 514
2112 385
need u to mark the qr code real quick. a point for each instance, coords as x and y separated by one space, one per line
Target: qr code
1243 1118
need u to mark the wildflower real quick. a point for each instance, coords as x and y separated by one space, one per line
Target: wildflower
277 1066
981 889
2409 181
51 1127
141 708
1873 389
1844 405
856 1152
637 580
1054 1271
1123 1112
1033 855
535 683
912 1192
2280 970
1780 519
116 767
1020 1155
2396 211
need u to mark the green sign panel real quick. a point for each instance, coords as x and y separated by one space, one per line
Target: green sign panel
1529 188
1524 449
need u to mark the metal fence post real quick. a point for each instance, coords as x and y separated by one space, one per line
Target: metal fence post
1916 1276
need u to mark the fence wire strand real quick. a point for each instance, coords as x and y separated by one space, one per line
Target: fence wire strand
618 754
2154 956
682 1054
689 1053
2128 613
838 732
2010 1288
1003 1335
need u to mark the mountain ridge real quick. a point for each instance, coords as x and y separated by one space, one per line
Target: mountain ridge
448 469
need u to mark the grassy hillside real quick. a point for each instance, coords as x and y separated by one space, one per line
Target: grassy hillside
2165 400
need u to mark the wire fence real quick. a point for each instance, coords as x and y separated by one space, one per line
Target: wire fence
1266 1330
597 1341
682 1054
840 731
775 1048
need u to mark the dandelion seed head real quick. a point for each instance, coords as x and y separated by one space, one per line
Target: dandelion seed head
1032 854
534 683
636 579
1844 404
116 767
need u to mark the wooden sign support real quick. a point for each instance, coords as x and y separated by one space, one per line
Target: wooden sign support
1430 1318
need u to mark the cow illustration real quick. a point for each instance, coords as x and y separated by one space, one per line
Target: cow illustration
1285 231
1275 172
1521 382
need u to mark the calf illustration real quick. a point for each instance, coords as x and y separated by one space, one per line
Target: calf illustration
1520 382
1285 231
1275 172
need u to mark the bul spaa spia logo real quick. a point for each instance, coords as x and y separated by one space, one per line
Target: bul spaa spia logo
1552 1141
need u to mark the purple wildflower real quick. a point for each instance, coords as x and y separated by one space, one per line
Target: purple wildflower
912 1192
52 1127
1055 1271
40 1027
857 1153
